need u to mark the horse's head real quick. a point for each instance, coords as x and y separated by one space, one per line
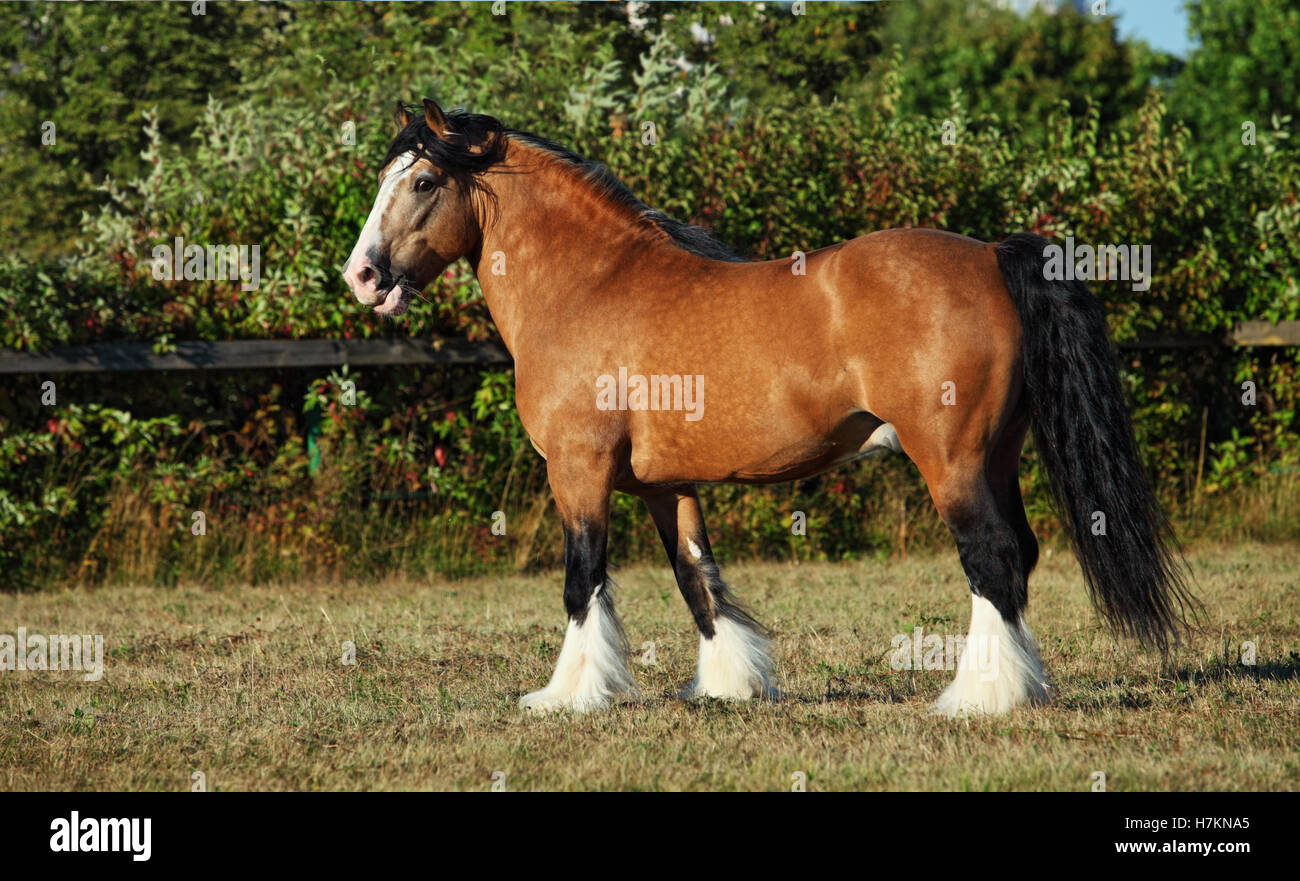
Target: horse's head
428 211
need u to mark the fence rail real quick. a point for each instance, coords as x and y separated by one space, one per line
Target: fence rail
262 354
251 355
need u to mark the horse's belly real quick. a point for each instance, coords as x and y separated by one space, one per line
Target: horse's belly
752 457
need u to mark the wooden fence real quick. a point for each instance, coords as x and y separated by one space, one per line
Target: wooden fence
251 355
262 354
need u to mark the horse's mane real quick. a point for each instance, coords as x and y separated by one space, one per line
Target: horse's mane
488 137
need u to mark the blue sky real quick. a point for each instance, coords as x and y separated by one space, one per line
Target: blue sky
1162 23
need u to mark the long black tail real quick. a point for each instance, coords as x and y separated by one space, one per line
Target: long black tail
1083 433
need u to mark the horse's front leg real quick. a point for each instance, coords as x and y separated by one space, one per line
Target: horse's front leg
592 669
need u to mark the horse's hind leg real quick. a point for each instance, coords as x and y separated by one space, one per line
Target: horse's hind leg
1004 479
1000 667
735 650
592 668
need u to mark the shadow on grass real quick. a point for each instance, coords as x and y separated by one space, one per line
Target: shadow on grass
842 690
1109 694
1222 669
1135 693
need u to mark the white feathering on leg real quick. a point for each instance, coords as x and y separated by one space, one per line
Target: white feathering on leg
592 668
1000 668
735 664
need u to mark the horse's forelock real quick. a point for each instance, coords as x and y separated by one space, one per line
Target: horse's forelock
475 142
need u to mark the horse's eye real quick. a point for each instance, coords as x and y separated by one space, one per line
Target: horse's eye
423 185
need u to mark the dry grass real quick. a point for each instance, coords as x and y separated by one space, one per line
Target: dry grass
247 686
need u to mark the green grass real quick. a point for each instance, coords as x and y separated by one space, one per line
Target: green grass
247 686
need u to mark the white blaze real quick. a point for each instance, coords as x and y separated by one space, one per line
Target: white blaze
401 168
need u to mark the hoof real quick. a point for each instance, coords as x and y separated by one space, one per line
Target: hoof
548 702
764 692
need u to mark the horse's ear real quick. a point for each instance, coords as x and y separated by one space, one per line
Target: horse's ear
435 118
403 116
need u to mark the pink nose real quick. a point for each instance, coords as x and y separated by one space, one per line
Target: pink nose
363 279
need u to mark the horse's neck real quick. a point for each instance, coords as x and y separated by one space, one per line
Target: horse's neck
553 243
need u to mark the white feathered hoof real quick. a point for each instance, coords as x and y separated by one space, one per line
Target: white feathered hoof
735 664
591 672
999 670
546 701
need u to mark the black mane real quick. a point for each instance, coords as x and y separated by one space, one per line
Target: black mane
487 134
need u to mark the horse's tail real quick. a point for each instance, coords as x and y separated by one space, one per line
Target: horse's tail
1082 431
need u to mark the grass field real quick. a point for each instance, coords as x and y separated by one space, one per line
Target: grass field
248 687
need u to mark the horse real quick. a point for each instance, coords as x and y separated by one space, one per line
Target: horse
924 342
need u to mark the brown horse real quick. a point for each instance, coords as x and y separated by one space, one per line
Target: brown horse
935 345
